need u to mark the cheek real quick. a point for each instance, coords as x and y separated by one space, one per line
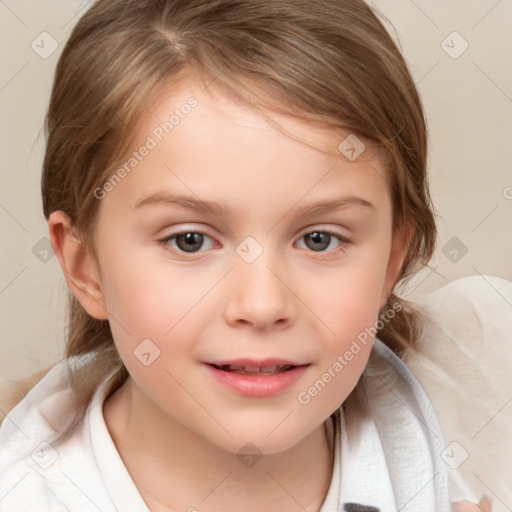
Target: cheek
348 301
348 306
148 298
156 317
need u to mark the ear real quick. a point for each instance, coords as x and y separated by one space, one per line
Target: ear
79 265
397 255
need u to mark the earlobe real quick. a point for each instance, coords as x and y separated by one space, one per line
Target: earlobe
78 264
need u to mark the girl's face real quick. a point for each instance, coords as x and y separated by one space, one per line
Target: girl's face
225 242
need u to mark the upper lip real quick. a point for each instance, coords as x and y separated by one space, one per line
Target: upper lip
255 363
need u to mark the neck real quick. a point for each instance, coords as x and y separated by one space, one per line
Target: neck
175 469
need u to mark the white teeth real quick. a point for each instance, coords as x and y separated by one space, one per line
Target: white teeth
255 370
250 369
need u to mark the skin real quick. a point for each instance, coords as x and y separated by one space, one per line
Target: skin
293 302
466 506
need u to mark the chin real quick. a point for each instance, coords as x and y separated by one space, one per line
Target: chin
263 438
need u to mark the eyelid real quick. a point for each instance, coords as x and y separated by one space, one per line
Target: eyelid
185 228
323 229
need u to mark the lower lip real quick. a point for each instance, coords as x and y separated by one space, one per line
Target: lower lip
258 385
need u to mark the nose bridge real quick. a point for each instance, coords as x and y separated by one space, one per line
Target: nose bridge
258 295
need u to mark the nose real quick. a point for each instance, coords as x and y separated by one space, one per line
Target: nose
259 296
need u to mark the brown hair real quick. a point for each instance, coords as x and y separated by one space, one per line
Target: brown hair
330 61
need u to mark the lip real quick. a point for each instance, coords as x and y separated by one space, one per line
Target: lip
257 385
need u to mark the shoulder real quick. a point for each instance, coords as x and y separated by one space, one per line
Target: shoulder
463 361
40 468
34 415
469 298
12 392
467 332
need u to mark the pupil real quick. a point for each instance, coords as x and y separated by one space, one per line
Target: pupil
192 241
319 241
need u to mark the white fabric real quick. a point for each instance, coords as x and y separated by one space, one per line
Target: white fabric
464 362
390 444
393 441
116 478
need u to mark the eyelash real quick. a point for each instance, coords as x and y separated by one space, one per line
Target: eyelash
344 242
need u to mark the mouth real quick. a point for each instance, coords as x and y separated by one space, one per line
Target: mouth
247 366
254 370
263 378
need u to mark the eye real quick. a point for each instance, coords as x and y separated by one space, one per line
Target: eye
188 241
321 241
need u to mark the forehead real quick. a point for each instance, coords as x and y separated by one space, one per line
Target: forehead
217 101
203 135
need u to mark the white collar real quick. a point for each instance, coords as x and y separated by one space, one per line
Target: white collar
393 443
109 460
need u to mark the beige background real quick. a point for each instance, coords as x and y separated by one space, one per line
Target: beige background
468 100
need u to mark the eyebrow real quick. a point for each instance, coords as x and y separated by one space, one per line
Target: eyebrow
190 203
204 206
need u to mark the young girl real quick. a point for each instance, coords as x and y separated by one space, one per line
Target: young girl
233 189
